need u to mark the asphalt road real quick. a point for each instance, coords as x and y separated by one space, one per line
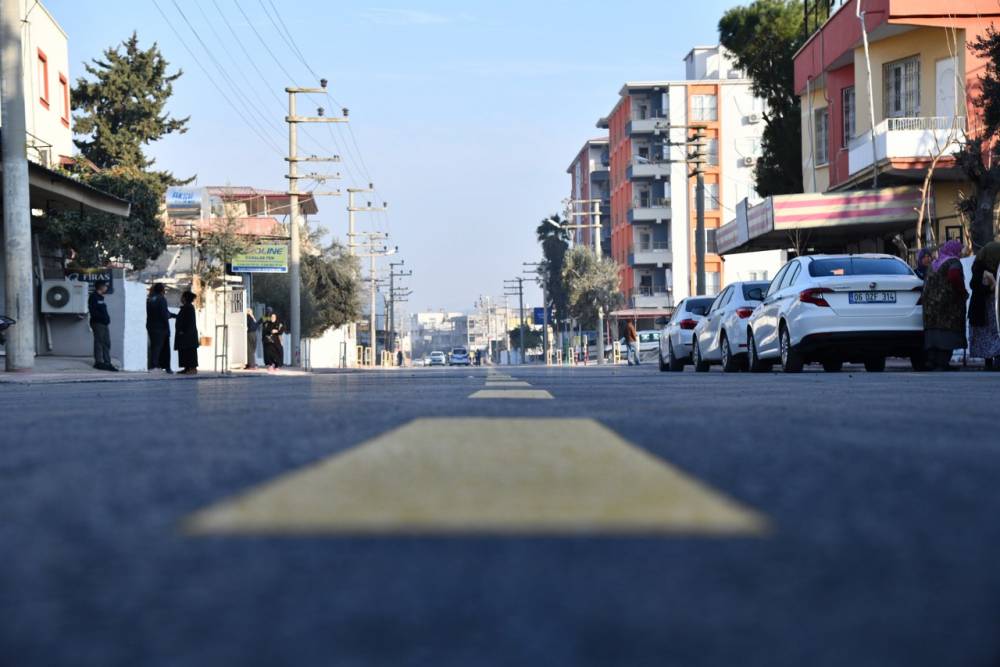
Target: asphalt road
874 536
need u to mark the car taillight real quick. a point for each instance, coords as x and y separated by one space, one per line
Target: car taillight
687 324
920 299
744 313
815 296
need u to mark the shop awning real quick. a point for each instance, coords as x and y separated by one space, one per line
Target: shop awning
821 220
52 189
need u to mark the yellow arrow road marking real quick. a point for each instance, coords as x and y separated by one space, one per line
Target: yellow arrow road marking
439 476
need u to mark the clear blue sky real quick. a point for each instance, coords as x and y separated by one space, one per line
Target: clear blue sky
467 114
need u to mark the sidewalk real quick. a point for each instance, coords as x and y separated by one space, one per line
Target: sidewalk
56 370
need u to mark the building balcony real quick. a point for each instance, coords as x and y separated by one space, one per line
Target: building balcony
652 297
906 138
653 124
658 254
655 210
656 168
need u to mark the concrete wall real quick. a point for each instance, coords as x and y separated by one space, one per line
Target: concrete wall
679 229
336 348
50 124
815 175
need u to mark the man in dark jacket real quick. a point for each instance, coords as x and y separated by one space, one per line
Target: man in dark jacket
158 327
253 325
99 325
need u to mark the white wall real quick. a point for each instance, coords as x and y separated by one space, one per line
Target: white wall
41 31
331 349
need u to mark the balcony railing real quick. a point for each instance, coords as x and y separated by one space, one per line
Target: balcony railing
651 202
919 137
655 290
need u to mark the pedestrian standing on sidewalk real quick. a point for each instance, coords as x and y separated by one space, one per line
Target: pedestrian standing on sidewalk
924 259
100 323
186 336
253 325
632 343
944 298
984 337
158 328
274 351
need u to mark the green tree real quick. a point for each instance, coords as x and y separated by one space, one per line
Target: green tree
216 248
979 156
764 37
554 239
330 287
123 109
592 285
532 338
95 239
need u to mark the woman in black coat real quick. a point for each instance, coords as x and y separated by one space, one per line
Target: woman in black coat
186 335
274 351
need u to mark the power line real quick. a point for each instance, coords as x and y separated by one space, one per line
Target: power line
268 142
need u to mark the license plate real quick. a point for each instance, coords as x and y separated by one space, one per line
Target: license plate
871 297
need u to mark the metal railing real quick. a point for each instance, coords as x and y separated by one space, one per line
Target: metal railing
912 124
652 114
651 202
655 290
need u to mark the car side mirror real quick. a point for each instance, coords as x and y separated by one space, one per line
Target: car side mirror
661 321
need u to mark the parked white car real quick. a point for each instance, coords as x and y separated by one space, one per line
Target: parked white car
833 309
459 356
721 336
437 359
678 333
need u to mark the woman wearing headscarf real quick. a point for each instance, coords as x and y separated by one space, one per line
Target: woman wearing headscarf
984 337
944 298
186 335
924 259
274 351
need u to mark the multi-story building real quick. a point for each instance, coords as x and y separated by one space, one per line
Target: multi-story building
867 146
589 189
653 217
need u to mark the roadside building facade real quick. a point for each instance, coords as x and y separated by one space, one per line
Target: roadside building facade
653 212
867 147
590 189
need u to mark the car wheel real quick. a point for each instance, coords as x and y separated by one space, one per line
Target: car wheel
675 364
875 364
730 364
756 365
791 359
663 365
832 365
700 365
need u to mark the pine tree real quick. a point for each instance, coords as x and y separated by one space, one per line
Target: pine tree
123 108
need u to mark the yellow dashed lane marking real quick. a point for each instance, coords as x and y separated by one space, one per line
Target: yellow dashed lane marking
524 394
440 476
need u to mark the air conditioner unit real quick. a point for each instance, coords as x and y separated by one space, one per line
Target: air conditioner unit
748 161
753 118
64 297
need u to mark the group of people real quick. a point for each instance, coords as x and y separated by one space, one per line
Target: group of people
944 304
272 329
186 340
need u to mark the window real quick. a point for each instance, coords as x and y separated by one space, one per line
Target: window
858 266
720 300
712 196
712 282
847 116
901 88
790 274
43 79
64 89
777 280
711 242
704 107
821 130
712 152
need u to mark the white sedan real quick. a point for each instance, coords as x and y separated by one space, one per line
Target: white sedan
838 308
678 333
721 337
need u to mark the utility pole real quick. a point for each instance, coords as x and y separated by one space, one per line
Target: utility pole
697 159
545 309
509 284
393 274
371 238
19 300
352 209
293 159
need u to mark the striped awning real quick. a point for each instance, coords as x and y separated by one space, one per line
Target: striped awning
858 214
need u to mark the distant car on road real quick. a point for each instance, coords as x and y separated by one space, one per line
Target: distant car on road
676 337
437 359
459 357
721 337
838 308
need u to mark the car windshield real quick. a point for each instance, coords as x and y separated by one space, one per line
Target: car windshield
649 336
858 266
754 291
698 306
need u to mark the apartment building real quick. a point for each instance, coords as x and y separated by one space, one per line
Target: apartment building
653 217
590 189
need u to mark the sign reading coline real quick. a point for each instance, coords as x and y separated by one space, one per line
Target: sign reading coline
262 258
